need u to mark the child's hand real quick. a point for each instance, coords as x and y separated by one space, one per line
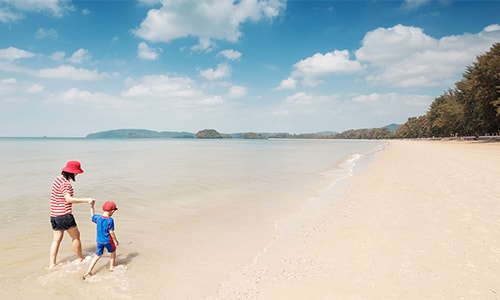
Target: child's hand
91 201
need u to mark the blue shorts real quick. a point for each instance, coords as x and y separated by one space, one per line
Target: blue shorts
100 248
63 222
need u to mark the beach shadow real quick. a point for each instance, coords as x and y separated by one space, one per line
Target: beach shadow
127 258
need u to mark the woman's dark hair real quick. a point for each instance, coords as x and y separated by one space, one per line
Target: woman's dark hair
68 176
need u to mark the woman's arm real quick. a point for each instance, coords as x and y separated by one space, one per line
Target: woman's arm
72 200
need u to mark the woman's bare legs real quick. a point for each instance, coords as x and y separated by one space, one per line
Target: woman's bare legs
77 244
56 242
54 247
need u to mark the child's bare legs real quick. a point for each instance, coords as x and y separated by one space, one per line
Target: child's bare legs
93 262
77 245
54 247
112 258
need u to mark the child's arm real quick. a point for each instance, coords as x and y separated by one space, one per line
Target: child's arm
92 211
113 236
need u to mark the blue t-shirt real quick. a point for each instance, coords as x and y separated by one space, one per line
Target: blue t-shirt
104 225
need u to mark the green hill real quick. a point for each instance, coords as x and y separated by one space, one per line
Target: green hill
138 133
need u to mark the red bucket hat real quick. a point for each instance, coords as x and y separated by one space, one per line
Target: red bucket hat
73 166
109 206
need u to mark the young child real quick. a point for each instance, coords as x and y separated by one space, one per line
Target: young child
106 237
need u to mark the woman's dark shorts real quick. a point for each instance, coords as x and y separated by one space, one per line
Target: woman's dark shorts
63 222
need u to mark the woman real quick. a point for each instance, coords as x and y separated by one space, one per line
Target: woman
61 214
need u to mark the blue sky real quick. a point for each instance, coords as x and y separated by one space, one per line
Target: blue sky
69 68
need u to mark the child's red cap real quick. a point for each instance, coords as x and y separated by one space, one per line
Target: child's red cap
109 206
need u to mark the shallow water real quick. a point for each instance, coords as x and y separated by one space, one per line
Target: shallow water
191 212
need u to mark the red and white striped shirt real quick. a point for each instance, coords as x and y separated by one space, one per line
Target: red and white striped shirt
58 205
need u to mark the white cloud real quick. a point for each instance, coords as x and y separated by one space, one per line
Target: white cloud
7 16
492 28
399 56
8 81
43 33
12 53
288 84
79 56
13 90
311 81
94 100
166 93
223 70
374 97
148 53
212 100
211 19
386 45
70 73
35 89
404 56
204 44
230 54
162 86
329 63
236 91
58 55
56 8
299 98
77 96
319 65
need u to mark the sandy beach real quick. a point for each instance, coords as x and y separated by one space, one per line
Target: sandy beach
422 221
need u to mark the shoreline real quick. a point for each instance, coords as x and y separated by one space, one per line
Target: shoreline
421 221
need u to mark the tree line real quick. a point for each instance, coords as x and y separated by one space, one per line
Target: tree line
472 108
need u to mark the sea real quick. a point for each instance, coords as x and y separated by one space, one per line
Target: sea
192 213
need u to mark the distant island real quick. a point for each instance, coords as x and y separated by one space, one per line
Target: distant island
138 133
372 133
